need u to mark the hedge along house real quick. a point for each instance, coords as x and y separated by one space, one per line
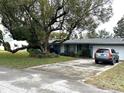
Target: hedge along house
87 47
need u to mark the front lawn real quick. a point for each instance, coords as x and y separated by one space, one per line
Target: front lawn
111 79
21 60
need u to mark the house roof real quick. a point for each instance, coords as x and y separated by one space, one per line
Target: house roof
119 41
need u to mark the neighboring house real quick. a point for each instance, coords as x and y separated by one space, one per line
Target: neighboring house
87 47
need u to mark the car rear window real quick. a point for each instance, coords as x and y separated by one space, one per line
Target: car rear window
102 51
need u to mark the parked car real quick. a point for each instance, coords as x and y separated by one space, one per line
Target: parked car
106 55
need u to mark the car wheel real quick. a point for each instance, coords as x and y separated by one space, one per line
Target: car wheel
117 61
112 62
96 61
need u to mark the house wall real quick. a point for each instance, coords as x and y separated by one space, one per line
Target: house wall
118 48
62 49
83 50
68 48
75 48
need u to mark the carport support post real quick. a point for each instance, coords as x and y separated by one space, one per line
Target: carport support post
91 50
76 50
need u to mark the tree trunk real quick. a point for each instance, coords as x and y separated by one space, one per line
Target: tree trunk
46 43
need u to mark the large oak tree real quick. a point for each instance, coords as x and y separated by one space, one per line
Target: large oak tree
35 20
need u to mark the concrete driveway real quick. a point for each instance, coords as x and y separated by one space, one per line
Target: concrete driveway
65 77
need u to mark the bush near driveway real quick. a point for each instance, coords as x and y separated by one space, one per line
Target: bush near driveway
111 79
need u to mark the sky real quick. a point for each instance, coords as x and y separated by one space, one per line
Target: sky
118 12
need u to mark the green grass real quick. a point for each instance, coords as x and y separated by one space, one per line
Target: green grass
111 79
21 60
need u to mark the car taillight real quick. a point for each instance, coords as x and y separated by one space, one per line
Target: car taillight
97 49
110 55
95 53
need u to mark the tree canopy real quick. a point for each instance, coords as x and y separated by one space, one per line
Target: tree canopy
119 29
35 20
57 35
99 34
1 37
92 34
104 34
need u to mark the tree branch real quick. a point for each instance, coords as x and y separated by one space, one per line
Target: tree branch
30 14
55 17
16 50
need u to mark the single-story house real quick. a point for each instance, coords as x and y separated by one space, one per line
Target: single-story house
87 47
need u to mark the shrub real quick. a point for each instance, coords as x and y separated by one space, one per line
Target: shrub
37 53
